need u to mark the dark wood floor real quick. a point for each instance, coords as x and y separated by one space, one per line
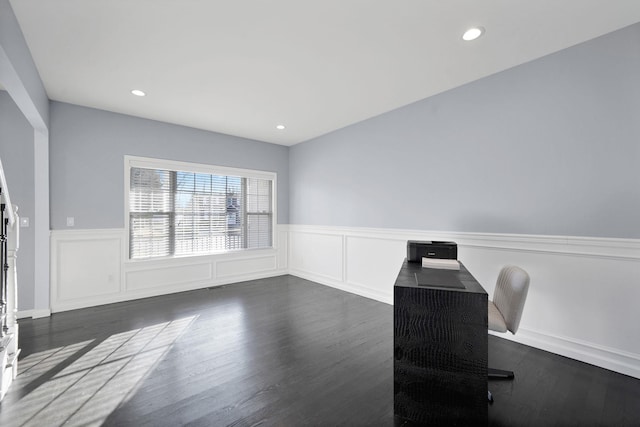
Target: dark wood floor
274 352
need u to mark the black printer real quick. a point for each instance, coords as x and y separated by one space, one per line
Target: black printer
416 250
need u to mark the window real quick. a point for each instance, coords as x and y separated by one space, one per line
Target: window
179 209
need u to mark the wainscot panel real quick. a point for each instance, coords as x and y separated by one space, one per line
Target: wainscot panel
367 264
581 302
317 254
243 267
85 267
157 275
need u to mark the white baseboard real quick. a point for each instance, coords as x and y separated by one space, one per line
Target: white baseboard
24 314
34 314
604 357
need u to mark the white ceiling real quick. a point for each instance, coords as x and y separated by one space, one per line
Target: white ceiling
241 67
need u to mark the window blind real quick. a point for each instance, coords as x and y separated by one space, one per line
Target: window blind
182 213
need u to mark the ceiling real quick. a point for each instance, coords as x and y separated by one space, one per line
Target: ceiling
242 67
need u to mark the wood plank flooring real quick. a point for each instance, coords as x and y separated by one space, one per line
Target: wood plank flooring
281 351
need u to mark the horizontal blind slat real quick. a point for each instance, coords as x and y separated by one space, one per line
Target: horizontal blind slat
182 213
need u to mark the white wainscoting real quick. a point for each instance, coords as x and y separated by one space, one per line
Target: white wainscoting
582 301
90 267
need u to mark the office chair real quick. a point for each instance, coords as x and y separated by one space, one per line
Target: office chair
506 308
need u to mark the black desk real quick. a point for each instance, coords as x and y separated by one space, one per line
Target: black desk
440 348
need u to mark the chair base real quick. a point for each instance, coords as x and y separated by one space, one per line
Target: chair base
499 373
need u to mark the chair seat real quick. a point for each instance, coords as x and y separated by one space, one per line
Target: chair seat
496 321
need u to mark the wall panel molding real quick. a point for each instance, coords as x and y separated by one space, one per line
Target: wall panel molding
167 275
581 300
317 253
237 267
86 267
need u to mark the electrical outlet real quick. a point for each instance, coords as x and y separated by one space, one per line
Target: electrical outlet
71 221
24 221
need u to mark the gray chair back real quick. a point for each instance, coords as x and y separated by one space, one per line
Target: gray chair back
510 294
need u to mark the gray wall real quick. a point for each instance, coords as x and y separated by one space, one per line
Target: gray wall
18 72
16 152
87 149
550 147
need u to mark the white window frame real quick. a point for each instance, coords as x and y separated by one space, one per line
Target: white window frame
174 165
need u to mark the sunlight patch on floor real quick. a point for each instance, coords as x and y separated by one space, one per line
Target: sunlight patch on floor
83 392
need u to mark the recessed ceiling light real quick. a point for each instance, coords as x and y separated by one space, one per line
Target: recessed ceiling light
472 33
138 92
280 127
